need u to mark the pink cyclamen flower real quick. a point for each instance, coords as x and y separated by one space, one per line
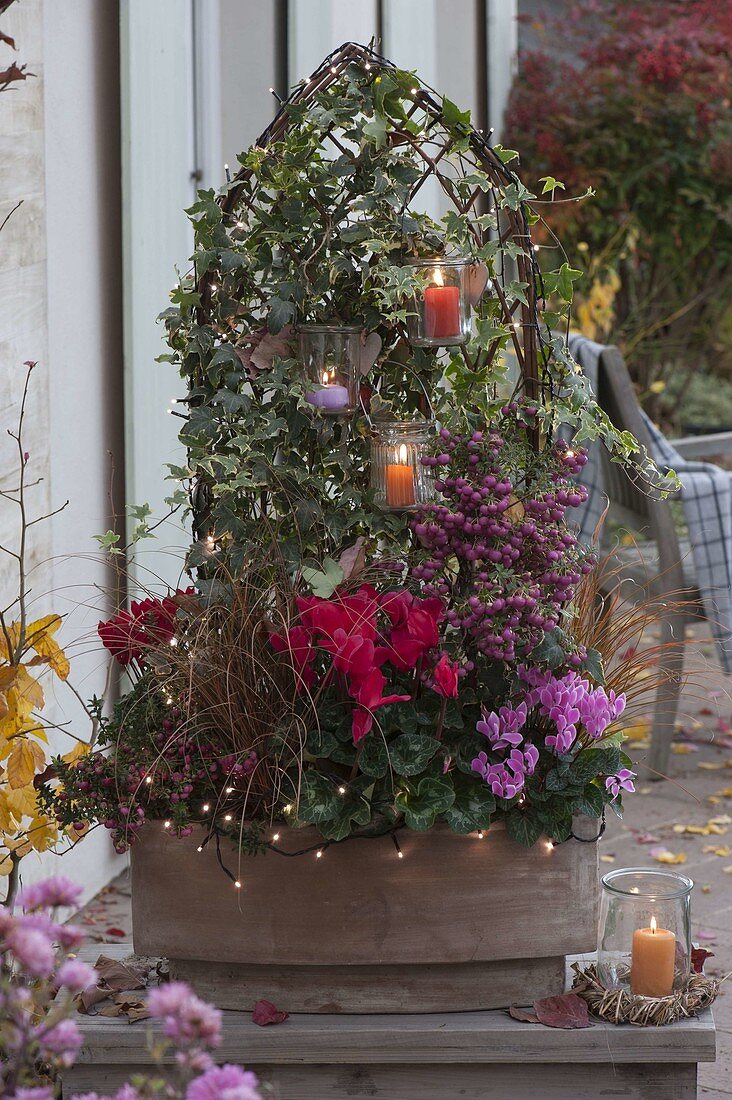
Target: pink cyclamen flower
598 709
503 730
42 1093
76 975
51 892
621 781
31 949
186 1019
224 1083
445 676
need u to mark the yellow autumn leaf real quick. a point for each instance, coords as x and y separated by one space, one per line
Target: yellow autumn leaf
681 749
670 857
21 765
6 865
42 833
7 821
22 801
39 635
727 870
21 845
515 511
707 766
723 850
721 819
7 676
81 748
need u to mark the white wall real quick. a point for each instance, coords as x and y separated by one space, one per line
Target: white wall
59 288
83 239
157 184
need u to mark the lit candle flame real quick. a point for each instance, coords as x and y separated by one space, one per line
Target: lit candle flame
325 378
653 924
402 454
437 278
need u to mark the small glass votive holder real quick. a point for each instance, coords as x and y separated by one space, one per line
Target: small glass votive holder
440 314
330 360
644 934
400 480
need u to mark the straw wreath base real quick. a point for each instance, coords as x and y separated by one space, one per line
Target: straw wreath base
618 1006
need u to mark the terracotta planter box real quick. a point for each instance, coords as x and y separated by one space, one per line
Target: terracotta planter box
458 924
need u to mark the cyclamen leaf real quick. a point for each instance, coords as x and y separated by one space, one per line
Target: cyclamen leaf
411 752
523 827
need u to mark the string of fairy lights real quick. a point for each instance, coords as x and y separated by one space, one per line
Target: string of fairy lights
481 143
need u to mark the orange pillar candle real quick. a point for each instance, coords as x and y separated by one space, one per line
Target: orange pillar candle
653 961
441 309
400 481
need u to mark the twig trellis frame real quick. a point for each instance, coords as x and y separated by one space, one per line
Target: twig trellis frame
513 226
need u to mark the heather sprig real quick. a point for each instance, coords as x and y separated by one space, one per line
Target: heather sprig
39 979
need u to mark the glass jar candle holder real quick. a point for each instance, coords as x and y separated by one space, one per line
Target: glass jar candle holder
440 313
400 481
644 936
329 355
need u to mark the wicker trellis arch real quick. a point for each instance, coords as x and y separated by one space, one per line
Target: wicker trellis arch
520 315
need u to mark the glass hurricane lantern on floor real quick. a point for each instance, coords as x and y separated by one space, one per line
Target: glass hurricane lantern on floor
644 935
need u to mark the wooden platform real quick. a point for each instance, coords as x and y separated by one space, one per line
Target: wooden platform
458 1056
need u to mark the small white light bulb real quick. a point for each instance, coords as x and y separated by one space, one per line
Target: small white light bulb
206 807
237 884
275 836
319 854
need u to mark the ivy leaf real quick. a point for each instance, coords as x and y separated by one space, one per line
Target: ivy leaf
376 131
592 665
319 799
452 116
108 542
567 276
324 581
421 805
550 651
505 155
280 313
550 184
411 752
474 803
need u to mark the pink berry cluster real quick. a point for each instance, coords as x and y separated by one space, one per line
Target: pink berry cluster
497 547
169 776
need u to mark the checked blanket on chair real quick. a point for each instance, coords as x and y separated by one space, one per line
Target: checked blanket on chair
706 495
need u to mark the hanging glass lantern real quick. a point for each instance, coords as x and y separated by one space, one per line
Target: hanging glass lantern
400 481
330 359
440 313
644 936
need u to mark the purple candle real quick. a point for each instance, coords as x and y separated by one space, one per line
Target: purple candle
332 397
